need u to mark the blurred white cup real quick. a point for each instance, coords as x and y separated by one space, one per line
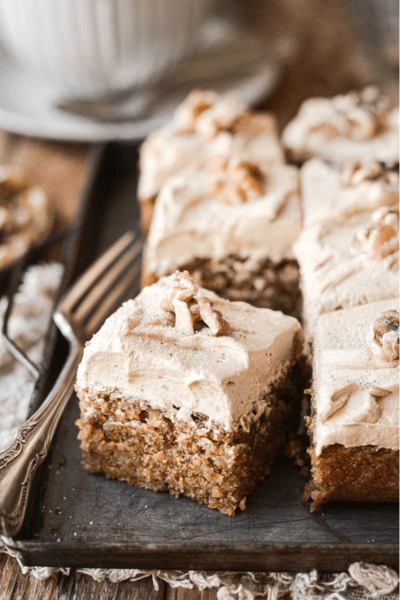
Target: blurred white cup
91 49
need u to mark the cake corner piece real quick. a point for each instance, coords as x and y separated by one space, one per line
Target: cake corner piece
185 392
354 426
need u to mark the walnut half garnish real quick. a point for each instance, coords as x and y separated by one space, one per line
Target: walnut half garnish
357 172
189 111
224 115
234 181
363 113
191 310
382 238
383 336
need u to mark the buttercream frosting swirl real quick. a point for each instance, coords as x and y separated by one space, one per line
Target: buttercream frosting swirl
359 185
190 221
336 275
345 127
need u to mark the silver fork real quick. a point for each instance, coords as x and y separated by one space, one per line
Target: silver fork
79 314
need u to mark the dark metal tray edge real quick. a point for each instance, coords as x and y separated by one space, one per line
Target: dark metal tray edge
235 557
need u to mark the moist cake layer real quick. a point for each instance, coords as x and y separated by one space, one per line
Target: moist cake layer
125 438
360 473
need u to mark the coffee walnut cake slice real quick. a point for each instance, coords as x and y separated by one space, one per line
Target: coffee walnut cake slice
185 392
232 225
205 125
354 424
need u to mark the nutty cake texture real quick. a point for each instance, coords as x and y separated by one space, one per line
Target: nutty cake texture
184 392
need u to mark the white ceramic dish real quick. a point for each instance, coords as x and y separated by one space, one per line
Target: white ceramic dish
229 60
88 49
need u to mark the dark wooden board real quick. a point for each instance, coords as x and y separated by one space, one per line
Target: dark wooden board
79 519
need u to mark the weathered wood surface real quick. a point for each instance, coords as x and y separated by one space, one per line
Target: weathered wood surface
56 167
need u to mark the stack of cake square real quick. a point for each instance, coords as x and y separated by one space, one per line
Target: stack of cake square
191 392
227 207
348 253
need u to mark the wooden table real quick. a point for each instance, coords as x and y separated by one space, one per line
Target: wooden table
326 61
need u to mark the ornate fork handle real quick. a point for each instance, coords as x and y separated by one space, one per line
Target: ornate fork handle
19 463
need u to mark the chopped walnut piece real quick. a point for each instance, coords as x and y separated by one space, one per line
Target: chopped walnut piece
224 115
357 172
235 181
212 318
189 111
383 336
364 112
382 238
190 309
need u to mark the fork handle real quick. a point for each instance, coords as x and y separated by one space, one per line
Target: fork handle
19 463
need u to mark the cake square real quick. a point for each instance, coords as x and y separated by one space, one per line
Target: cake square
232 225
205 125
354 424
357 125
185 392
329 192
347 261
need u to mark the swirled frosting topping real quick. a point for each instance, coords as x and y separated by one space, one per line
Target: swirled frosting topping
356 377
144 352
351 126
359 185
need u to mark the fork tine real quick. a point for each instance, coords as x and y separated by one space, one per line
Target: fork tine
99 316
94 273
106 284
